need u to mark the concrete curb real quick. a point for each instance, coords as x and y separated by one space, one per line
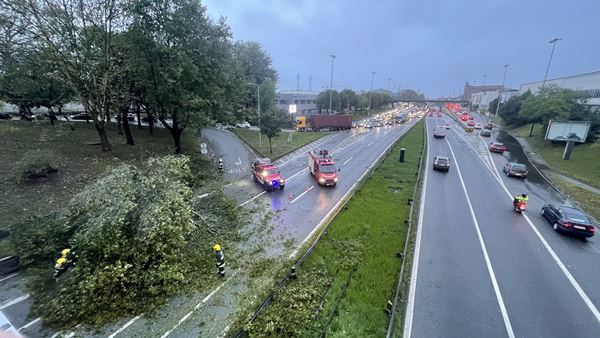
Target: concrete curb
283 155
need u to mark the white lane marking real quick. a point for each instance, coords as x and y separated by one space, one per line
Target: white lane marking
122 328
203 195
252 199
5 258
14 301
586 299
335 207
250 149
204 300
302 194
29 324
222 334
488 263
311 145
348 160
296 174
9 276
368 145
408 316
228 184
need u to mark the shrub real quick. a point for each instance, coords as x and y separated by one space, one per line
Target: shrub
35 164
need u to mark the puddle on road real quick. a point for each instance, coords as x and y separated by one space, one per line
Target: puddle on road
515 154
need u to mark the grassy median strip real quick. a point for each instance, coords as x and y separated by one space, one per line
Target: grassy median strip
587 200
282 145
343 287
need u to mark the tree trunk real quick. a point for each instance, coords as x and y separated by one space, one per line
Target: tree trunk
126 128
137 113
270 147
51 116
175 133
103 137
119 128
66 118
531 130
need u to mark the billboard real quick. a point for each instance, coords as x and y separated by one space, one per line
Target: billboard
576 131
292 109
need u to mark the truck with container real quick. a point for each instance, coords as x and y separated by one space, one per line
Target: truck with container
267 174
322 167
318 122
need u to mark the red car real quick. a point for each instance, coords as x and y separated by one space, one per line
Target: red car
497 147
470 123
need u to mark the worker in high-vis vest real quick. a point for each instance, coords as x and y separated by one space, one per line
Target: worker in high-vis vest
221 165
220 257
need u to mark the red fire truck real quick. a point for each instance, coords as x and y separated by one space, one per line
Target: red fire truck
267 174
322 167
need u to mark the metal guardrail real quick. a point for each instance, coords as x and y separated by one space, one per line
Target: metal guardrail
408 233
240 333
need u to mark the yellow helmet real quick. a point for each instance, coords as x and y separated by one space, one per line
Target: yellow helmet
217 247
65 252
61 260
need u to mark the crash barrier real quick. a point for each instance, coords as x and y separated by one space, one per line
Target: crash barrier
409 221
327 221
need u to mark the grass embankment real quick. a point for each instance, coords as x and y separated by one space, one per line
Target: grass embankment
80 161
588 200
281 144
343 286
583 164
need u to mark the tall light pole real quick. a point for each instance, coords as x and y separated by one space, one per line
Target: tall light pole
331 82
258 110
370 94
484 76
553 42
500 94
389 80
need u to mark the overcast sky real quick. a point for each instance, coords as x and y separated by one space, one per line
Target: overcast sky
433 46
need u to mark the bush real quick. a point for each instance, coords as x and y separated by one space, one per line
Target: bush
135 243
35 164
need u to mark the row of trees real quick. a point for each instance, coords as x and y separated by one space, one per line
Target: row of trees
165 57
552 103
348 99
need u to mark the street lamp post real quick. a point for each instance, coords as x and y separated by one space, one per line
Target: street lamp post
331 83
499 94
370 94
484 76
553 42
388 87
258 110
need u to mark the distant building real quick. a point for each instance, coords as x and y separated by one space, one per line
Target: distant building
483 99
588 83
470 90
305 100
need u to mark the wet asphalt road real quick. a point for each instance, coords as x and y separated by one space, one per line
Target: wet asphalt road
482 269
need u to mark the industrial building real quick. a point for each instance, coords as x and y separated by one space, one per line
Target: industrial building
304 100
588 83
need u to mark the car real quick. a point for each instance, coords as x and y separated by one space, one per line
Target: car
478 126
488 126
441 163
243 125
5 116
447 125
81 117
154 119
485 133
497 147
439 133
471 124
565 219
471 117
439 114
515 169
368 125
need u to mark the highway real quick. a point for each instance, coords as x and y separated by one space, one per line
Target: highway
483 270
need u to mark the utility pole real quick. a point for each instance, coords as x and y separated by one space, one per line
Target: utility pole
499 93
388 87
484 76
553 42
298 82
309 82
331 83
370 94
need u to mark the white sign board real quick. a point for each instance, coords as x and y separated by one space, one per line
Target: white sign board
568 131
292 109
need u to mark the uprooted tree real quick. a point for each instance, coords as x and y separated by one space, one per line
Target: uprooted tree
139 237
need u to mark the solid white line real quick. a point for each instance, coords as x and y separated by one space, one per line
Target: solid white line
5 258
302 194
252 199
29 324
184 318
348 160
296 174
488 263
222 334
122 328
408 316
586 299
368 145
9 276
310 145
14 301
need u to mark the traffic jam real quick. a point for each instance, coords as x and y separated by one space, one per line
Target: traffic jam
564 219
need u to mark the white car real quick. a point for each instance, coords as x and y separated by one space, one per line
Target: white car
478 125
243 125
